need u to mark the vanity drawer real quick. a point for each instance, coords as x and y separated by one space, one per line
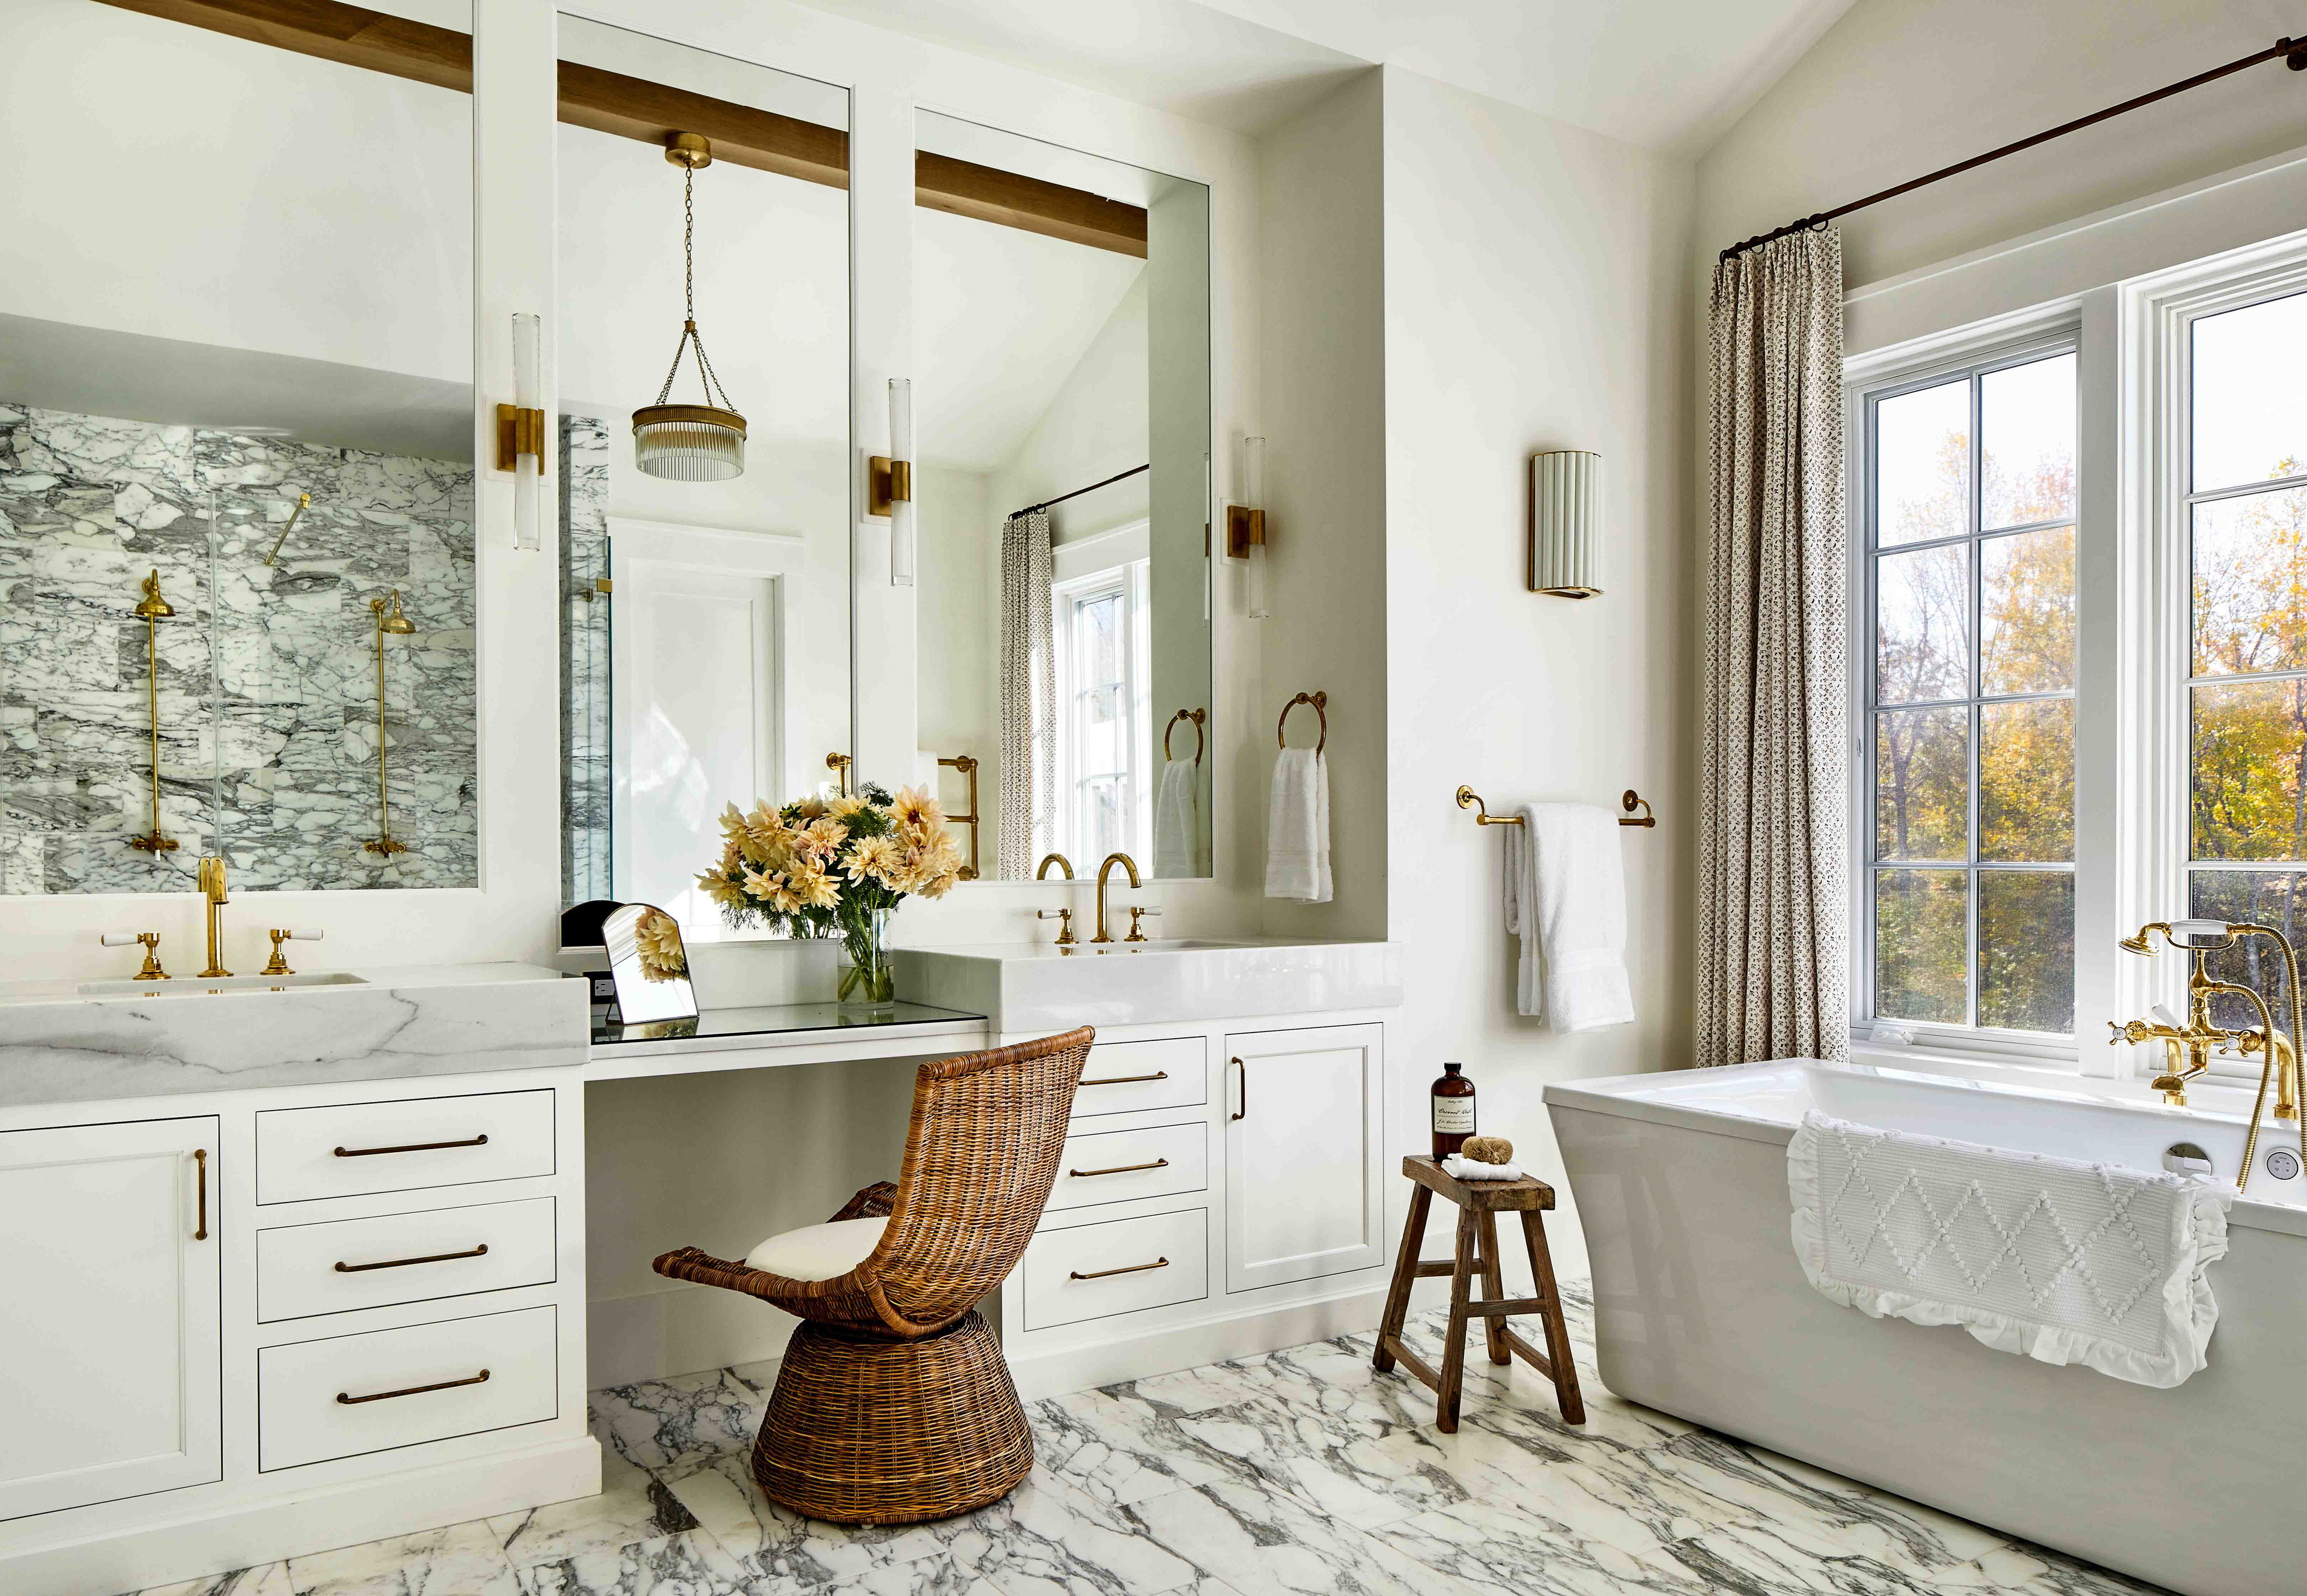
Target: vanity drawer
402 1257
347 1394
1114 1166
1130 1265
1123 1077
355 1147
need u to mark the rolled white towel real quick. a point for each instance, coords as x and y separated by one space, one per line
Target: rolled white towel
1466 1169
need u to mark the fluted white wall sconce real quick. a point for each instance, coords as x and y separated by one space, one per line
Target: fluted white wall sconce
1245 525
889 483
1566 523
520 430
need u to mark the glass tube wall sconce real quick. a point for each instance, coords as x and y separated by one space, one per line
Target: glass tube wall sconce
889 483
1566 523
1245 524
520 431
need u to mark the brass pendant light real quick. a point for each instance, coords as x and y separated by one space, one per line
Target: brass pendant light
689 443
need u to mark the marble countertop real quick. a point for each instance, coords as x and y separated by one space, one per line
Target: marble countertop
59 1044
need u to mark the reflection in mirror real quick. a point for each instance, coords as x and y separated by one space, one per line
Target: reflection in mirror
705 542
1061 325
648 965
236 291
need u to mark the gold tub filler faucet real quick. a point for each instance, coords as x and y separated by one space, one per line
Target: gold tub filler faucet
2188 1047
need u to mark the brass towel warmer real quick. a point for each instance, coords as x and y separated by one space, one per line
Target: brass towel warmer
1194 717
388 620
1321 702
153 610
1469 799
967 765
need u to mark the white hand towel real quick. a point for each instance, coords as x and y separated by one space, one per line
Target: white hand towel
1469 1169
1565 896
1177 819
1297 827
2063 1261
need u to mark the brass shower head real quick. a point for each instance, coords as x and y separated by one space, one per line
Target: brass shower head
2137 943
392 620
153 608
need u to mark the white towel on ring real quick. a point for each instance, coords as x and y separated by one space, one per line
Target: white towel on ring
2064 1261
1177 821
1297 827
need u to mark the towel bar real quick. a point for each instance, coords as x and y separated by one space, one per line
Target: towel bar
1469 799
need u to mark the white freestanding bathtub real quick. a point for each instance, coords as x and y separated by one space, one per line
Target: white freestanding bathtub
1701 1310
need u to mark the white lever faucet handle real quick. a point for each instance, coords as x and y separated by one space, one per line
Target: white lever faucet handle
2165 1016
306 936
118 938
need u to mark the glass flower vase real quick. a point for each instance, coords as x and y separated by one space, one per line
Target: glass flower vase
869 980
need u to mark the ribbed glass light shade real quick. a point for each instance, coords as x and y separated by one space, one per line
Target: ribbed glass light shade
1565 524
689 443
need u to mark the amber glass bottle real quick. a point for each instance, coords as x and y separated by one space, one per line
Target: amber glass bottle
1454 1112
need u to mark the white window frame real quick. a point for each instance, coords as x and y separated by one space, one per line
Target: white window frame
1089 568
2133 747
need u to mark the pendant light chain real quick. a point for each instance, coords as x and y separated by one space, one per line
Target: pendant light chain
689 333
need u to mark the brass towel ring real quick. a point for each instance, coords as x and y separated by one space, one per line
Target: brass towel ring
1195 716
1320 701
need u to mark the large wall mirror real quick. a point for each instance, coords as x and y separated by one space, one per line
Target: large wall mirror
1061 330
705 515
237 554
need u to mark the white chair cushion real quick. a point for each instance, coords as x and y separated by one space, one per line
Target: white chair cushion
819 1251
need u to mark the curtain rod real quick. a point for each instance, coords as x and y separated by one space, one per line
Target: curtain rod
2292 53
1078 491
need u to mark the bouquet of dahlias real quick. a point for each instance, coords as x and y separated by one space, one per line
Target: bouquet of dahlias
828 867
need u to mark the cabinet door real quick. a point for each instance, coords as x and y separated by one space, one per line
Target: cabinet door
111 1336
1304 1139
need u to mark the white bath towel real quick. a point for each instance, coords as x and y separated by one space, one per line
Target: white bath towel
1565 896
1177 819
1297 827
2064 1261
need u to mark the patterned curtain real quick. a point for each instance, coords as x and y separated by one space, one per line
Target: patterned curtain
1773 932
1029 697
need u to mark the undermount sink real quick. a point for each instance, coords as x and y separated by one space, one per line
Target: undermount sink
195 986
1030 986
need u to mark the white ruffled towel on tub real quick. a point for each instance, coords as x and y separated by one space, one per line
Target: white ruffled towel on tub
2064 1261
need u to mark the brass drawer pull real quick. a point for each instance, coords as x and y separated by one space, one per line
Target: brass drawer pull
1099 1273
1124 1080
354 1402
201 1162
479 1141
1120 1168
1243 1111
438 1258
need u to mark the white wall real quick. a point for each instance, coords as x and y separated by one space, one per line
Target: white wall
1534 300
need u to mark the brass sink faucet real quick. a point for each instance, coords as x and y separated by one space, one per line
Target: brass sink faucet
1063 916
1103 870
212 886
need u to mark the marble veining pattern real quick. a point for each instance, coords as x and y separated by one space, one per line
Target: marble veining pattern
1299 1472
584 753
73 1051
266 685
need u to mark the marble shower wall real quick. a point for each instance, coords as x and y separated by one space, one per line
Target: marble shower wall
267 674
586 764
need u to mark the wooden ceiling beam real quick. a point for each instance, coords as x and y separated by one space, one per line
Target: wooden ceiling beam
614 103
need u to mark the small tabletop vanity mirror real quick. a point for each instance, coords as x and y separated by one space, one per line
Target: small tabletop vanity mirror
650 965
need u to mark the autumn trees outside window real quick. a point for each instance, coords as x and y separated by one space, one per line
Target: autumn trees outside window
1970 624
2247 667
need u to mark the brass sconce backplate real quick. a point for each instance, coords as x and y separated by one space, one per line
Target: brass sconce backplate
1245 528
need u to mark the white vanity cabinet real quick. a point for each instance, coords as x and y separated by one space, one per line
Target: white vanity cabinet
111 1335
1221 1192
1304 1156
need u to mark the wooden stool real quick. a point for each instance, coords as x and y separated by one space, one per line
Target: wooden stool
1480 1203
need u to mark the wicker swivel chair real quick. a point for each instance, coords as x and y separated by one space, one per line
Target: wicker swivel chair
894 1402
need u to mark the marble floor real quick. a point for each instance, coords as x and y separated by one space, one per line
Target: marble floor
1304 1471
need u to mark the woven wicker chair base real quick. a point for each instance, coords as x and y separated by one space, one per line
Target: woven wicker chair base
869 1431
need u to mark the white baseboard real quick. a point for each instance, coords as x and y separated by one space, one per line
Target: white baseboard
679 1330
218 1541
1056 1372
